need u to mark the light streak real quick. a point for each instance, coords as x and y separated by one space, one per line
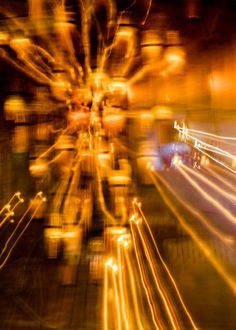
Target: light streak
10 211
42 199
115 285
218 137
216 160
155 320
121 283
201 145
36 76
147 13
8 215
222 271
194 211
130 310
209 183
86 19
105 297
214 149
220 178
114 270
8 204
223 210
9 208
229 175
166 267
133 290
164 296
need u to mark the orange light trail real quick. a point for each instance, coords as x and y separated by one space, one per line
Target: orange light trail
201 145
207 147
166 268
10 211
216 160
121 283
133 289
163 294
220 178
115 285
7 206
222 271
195 212
114 269
42 199
209 183
217 137
156 321
105 297
223 210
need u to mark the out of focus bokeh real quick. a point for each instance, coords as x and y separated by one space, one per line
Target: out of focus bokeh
117 164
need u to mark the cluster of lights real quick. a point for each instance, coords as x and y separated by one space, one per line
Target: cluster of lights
196 138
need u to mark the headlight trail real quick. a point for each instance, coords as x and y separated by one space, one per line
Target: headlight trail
219 178
229 216
226 239
217 137
222 271
206 146
228 174
203 146
209 183
200 145
216 160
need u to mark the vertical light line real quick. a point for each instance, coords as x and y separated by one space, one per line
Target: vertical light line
121 284
168 271
105 313
163 295
133 289
154 318
117 299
